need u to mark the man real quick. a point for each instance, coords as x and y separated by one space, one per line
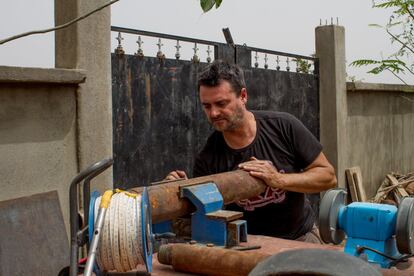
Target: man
273 146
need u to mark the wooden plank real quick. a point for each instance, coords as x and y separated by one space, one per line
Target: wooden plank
399 192
355 184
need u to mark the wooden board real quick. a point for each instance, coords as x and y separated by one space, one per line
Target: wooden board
33 239
355 184
399 192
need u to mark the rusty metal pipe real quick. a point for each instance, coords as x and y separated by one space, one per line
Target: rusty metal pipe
200 259
166 202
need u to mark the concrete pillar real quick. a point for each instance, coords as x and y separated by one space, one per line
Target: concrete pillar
330 49
86 45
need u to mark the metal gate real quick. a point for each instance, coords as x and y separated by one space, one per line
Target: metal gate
158 122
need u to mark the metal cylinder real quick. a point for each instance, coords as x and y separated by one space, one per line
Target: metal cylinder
166 202
204 260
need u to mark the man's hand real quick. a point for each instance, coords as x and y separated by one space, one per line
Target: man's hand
317 177
264 170
175 175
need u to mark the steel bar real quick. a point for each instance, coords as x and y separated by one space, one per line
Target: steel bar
161 35
166 202
200 259
277 53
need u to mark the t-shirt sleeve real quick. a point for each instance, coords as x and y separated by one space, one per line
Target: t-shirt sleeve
305 145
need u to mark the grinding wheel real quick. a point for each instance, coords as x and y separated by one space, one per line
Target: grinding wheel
328 216
404 227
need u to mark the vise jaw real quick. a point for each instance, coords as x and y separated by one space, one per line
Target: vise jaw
209 223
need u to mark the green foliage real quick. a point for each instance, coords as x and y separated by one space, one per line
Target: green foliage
400 30
207 5
303 66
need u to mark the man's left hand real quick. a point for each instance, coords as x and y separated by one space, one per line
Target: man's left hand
264 170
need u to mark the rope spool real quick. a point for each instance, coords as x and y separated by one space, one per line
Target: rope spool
124 235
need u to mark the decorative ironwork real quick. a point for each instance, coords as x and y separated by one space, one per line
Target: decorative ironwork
140 52
256 57
119 50
177 54
277 63
208 54
195 58
269 55
287 64
160 54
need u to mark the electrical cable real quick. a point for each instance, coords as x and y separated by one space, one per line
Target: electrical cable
395 260
67 24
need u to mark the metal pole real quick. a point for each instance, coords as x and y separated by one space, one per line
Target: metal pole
95 241
167 204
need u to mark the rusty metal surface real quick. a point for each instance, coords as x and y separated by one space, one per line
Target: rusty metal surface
166 203
201 259
33 239
271 246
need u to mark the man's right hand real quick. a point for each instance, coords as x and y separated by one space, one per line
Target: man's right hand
175 175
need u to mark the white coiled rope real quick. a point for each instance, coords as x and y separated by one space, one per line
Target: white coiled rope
120 246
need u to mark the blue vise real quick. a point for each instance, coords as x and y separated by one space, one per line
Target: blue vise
210 224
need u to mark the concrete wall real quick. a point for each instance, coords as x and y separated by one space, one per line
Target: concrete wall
330 49
38 144
362 124
380 131
86 45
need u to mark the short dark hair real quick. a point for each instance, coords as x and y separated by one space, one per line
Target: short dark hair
221 70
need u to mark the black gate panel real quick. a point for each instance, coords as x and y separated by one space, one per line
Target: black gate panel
159 124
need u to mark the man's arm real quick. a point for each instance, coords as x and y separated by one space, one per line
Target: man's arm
317 177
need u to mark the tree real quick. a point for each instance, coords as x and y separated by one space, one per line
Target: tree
207 5
400 30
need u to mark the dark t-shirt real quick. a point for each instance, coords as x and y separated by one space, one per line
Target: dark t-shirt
291 147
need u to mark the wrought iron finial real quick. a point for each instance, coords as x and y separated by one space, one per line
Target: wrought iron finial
256 57
287 64
139 52
208 54
177 54
265 64
195 58
119 50
277 63
160 55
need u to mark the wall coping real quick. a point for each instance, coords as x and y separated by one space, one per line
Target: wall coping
378 87
11 74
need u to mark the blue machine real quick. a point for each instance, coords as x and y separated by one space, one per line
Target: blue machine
210 223
379 232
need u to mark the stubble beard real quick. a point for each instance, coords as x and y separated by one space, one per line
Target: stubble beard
233 122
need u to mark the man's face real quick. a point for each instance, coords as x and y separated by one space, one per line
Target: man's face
224 109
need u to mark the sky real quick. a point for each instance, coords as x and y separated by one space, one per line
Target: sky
286 26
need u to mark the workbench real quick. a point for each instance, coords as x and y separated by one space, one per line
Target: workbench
271 246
